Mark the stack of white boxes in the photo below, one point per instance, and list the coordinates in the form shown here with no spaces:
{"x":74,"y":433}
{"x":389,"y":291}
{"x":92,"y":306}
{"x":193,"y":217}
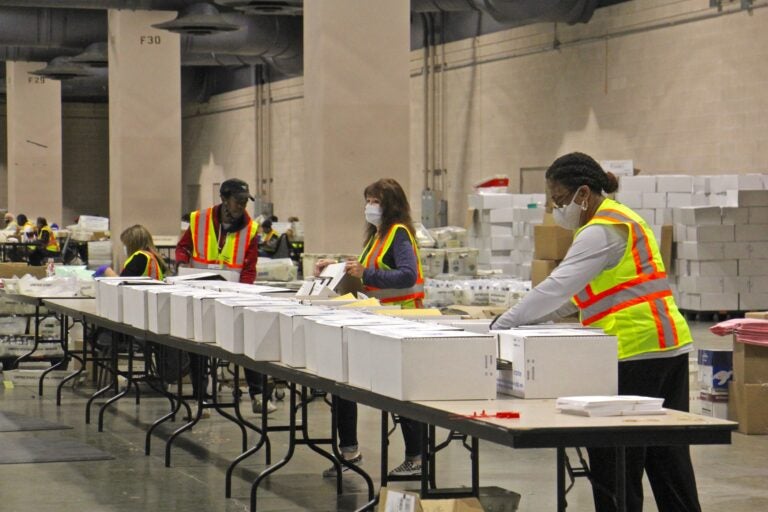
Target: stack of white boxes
{"x":503,"y":231}
{"x":721,"y":235}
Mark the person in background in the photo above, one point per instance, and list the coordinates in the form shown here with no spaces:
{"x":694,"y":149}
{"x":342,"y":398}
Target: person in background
{"x":11,"y":227}
{"x":184,"y":222}
{"x":225,"y":237}
{"x":268,"y":240}
{"x":46,"y":245}
{"x":613,"y":273}
{"x":143,"y":257}
{"x":390,"y":269}
{"x":26,"y":229}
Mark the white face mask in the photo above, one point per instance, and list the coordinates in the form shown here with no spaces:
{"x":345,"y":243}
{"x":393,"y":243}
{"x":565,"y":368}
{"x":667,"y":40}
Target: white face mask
{"x":373,"y":214}
{"x":125,"y":250}
{"x":569,"y":217}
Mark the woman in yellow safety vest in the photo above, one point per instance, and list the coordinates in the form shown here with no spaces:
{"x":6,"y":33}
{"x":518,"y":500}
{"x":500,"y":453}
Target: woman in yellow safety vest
{"x":47,"y":237}
{"x":143,"y":257}
{"x":390,"y":269}
{"x":613,"y":275}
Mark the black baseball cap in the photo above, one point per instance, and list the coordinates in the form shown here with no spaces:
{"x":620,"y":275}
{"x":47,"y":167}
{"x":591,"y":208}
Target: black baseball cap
{"x":235,"y":186}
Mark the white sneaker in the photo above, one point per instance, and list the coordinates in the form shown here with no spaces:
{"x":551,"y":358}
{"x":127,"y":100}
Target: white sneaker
{"x":331,"y":471}
{"x":407,"y":468}
{"x":257,"y":406}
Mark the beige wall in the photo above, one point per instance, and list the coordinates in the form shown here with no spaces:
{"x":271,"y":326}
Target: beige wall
{"x":688,"y":99}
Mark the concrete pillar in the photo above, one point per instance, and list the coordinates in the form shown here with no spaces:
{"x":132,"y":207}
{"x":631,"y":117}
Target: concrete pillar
{"x":144,"y":124}
{"x":34,"y":142}
{"x":356,"y":111}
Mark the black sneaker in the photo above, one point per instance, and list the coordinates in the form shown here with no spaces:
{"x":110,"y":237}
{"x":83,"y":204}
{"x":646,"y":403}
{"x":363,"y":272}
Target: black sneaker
{"x":407,"y":468}
{"x":331,"y":472}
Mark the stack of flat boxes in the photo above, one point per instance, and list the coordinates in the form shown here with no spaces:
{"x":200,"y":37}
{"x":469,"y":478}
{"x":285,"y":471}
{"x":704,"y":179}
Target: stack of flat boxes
{"x":503,"y":231}
{"x":721,"y":235}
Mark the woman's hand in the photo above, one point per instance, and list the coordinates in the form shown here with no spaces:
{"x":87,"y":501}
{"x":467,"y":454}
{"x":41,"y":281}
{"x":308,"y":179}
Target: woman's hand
{"x":354,"y":268}
{"x":321,"y":264}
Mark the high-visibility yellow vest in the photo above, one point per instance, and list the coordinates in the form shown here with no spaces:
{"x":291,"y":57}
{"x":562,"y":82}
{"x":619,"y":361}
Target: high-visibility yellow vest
{"x":152,"y":269}
{"x":373,"y":257}
{"x":53,"y":244}
{"x":633,"y":300}
{"x":205,"y":243}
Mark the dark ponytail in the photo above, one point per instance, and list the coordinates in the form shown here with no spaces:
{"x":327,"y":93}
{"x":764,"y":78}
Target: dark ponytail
{"x":576,"y":169}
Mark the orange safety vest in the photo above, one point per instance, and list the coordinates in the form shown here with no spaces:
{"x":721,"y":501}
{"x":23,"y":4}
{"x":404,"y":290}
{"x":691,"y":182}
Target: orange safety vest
{"x":153,"y":267}
{"x":53,"y":244}
{"x":205,"y":243}
{"x":633,"y":300}
{"x":373,"y":257}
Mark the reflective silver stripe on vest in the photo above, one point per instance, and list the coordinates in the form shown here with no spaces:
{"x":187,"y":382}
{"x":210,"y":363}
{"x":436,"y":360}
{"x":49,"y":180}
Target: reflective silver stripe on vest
{"x":617,"y":298}
{"x":392,"y":293}
{"x":201,"y":242}
{"x":667,"y":325}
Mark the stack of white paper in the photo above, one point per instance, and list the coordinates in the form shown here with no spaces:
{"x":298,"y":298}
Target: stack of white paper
{"x":620,"y":405}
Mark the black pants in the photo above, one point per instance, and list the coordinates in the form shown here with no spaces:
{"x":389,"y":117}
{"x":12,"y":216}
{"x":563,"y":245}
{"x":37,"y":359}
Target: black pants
{"x":254,"y":379}
{"x":669,"y":468}
{"x":347,"y":427}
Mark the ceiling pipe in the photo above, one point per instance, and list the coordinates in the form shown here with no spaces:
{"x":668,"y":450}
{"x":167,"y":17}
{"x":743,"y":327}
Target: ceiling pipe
{"x":147,"y":5}
{"x":28,"y":54}
{"x":51,"y":28}
{"x":516,"y":11}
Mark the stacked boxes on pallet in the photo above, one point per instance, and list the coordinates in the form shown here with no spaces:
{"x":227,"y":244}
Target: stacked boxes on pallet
{"x":502,"y":230}
{"x":721,"y":235}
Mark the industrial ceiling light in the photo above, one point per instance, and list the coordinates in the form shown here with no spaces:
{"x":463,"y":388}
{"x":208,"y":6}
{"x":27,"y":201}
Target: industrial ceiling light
{"x":95,"y":56}
{"x":199,"y":20}
{"x":62,"y":68}
{"x":265,"y":7}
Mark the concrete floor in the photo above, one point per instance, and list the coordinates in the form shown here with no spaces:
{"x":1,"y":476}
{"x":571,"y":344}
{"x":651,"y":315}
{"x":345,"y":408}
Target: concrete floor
{"x":731,"y":478}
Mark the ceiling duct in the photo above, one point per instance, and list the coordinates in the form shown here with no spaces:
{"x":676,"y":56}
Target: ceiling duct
{"x":265,"y":7}
{"x":51,"y":28}
{"x":62,"y":68}
{"x":517,"y":12}
{"x":133,"y":5}
{"x":95,"y":56}
{"x":199,"y":20}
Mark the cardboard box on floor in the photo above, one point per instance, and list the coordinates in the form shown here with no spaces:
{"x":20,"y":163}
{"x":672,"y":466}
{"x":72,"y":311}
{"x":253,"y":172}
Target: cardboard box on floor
{"x":761,"y":315}
{"x":404,"y":501}
{"x":748,"y":405}
{"x":750,"y":363}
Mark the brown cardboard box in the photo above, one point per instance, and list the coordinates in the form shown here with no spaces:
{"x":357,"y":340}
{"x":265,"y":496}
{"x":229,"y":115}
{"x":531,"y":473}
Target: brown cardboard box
{"x":551,"y":242}
{"x":540,"y":269}
{"x":748,"y":405}
{"x":412,"y":502}
{"x":665,"y":246}
{"x":99,"y":235}
{"x":750,"y":363}
{"x":8,"y":270}
{"x":762,"y":315}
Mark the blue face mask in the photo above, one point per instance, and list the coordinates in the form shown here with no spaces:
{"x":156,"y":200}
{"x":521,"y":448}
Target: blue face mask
{"x":373,"y":214}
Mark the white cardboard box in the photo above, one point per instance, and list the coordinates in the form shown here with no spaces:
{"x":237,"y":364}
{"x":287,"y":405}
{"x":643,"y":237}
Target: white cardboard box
{"x":182,"y":315}
{"x":747,"y":197}
{"x":109,"y":296}
{"x":159,"y":308}
{"x":752,"y":232}
{"x":757,"y":214}
{"x":638,"y":183}
{"x":753,"y":301}
{"x":701,"y":284}
{"x":204,"y":316}
{"x":697,"y":215}
{"x":701,"y":251}
{"x":631,"y":198}
{"x":735,"y":215}
{"x":490,"y":201}
{"x":717,"y":268}
{"x":293,"y":348}
{"x":549,"y":363}
{"x":721,"y":233}
{"x":229,"y":320}
{"x":754,"y":267}
{"x":711,"y":301}
{"x":433,"y":365}
{"x":261,"y":332}
{"x":135,"y":305}
{"x":674,"y":183}
{"x":655,"y":200}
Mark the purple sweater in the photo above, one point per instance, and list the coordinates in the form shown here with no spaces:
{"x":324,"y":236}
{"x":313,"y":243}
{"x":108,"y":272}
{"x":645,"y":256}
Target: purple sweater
{"x":401,"y":259}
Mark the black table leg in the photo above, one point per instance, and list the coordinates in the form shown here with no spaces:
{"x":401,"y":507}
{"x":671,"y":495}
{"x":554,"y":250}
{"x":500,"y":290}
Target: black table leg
{"x":621,"y":478}
{"x":65,"y":338}
{"x":129,"y":381}
{"x":561,"y":503}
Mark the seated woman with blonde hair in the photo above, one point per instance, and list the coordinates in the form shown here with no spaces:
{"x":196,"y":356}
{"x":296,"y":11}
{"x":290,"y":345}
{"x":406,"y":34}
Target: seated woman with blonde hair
{"x":143,"y":257}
